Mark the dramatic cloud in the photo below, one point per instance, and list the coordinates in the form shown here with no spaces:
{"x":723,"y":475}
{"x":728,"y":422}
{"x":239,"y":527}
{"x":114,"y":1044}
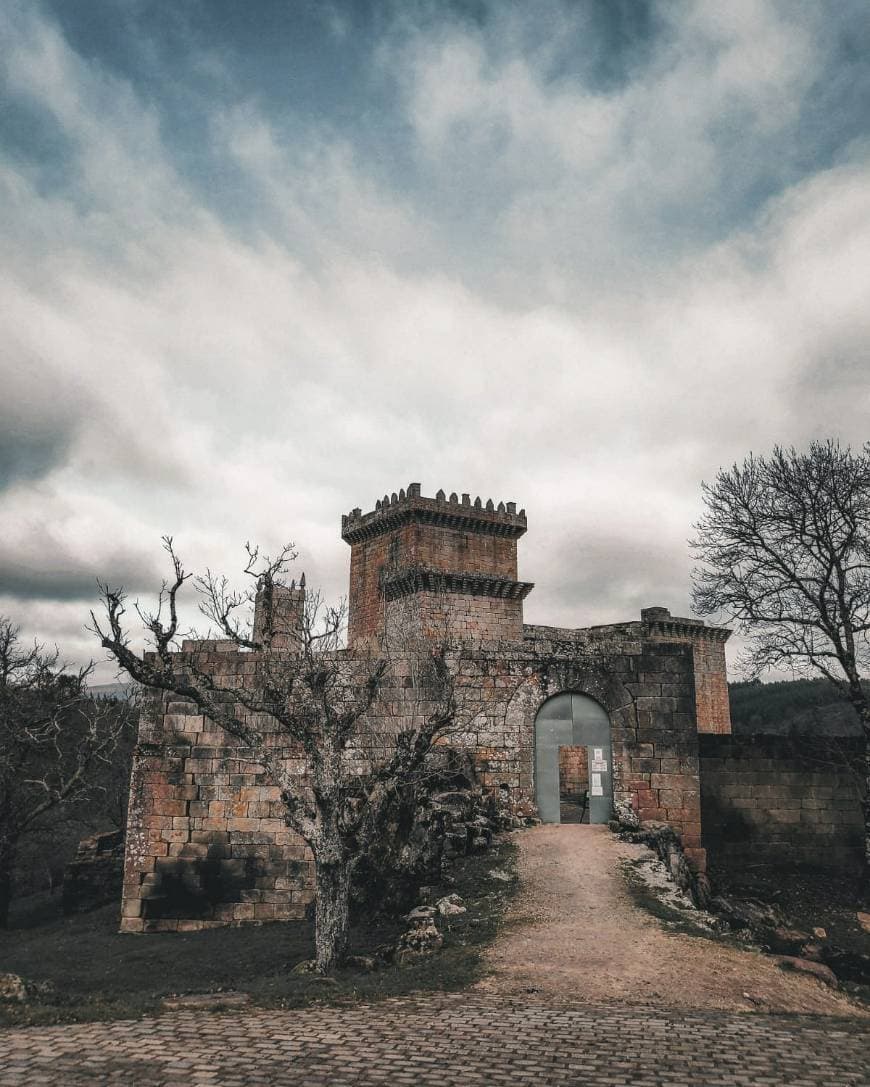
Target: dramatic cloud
{"x":262,"y":268}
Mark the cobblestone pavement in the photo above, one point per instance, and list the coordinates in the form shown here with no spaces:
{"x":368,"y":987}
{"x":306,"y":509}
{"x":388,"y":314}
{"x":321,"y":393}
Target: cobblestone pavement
{"x":445,"y":1040}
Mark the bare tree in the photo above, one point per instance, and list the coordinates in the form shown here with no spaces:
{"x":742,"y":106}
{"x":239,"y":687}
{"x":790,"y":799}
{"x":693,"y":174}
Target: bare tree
{"x":365,"y":721}
{"x":55,"y":740}
{"x":785,"y":551}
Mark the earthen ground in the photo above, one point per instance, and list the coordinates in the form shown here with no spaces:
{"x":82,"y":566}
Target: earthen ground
{"x":585,"y":988}
{"x":574,"y":935}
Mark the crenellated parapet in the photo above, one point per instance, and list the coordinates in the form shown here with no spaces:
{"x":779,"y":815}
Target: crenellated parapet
{"x":659,"y":621}
{"x":454,"y":511}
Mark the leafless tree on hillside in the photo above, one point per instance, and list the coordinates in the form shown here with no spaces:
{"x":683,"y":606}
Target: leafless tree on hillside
{"x":56,"y":740}
{"x":784,"y":550}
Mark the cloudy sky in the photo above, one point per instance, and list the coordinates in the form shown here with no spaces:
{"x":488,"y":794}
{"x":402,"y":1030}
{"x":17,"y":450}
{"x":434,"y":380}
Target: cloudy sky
{"x":264,"y":261}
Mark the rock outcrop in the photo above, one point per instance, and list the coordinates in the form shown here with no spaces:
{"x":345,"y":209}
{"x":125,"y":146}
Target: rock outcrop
{"x":431,"y":824}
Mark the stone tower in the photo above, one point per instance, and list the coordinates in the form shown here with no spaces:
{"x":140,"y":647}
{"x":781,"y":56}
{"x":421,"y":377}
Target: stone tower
{"x":455,"y":556}
{"x":712,"y":708}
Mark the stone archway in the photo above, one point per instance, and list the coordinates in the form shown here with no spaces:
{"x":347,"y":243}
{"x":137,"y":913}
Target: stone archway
{"x":571,"y":719}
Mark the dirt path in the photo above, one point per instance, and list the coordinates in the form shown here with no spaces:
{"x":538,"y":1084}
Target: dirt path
{"x":574,"y":935}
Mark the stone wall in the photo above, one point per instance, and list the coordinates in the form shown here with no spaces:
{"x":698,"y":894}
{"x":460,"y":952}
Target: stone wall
{"x":781,"y":802}
{"x":206,"y":842}
{"x":467,"y":615}
{"x":711,"y":685}
{"x":94,"y":876}
{"x":369,"y":559}
{"x":647,"y":689}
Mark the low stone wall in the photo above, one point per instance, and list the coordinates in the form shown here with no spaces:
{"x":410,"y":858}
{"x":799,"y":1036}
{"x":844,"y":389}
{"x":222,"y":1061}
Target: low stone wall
{"x":94,"y":877}
{"x":206,"y":842}
{"x":777,"y":801}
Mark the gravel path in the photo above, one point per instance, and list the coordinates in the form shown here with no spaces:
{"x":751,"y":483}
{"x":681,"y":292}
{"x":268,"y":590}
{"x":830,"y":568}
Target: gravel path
{"x":574,"y":936}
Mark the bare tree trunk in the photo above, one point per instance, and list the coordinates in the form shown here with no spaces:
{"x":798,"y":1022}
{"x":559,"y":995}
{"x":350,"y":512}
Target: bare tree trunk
{"x":332,"y":912}
{"x":865,"y":796}
{"x":865,"y":808}
{"x":6,"y":859}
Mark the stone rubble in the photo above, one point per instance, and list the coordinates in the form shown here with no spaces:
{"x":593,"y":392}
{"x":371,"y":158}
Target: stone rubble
{"x":804,"y":966}
{"x":421,"y":913}
{"x":501,"y":875}
{"x":761,"y":923}
{"x":418,"y":943}
{"x":667,"y":843}
{"x":450,"y":906}
{"x":15,"y":989}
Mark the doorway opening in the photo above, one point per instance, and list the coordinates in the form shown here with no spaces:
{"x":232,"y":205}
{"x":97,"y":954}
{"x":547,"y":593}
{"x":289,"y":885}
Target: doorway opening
{"x":573,"y":784}
{"x":565,"y":725}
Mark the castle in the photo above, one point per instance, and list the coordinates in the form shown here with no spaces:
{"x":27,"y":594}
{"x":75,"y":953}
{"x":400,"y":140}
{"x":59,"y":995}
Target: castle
{"x":611,"y":712}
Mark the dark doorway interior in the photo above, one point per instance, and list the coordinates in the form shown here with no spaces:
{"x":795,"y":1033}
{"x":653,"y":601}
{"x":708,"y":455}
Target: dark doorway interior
{"x":573,"y":784}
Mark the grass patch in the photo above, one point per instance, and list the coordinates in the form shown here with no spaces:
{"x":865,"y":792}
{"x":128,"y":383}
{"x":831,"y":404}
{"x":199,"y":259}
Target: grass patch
{"x":99,"y":973}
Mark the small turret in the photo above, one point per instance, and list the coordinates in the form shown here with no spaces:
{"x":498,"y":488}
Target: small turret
{"x":712,"y":708}
{"x":281,"y":608}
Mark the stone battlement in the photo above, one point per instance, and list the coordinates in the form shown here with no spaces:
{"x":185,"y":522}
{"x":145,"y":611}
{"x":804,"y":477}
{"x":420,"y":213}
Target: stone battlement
{"x":454,"y":512}
{"x":713,"y":710}
{"x":660,"y":621}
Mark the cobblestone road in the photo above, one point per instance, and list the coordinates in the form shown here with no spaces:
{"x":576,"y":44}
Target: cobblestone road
{"x":446,"y":1041}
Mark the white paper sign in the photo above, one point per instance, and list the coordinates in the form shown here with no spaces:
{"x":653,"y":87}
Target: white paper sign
{"x":596,"y":790}
{"x":597,"y":753}
{"x":596,"y":781}
{"x":600,"y":765}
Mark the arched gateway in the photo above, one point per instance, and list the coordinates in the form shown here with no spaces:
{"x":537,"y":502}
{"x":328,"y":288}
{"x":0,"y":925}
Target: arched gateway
{"x":577,"y":721}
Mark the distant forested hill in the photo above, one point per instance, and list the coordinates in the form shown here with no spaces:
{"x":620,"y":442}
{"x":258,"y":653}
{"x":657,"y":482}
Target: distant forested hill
{"x":799,"y":707}
{"x":113,"y":690}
